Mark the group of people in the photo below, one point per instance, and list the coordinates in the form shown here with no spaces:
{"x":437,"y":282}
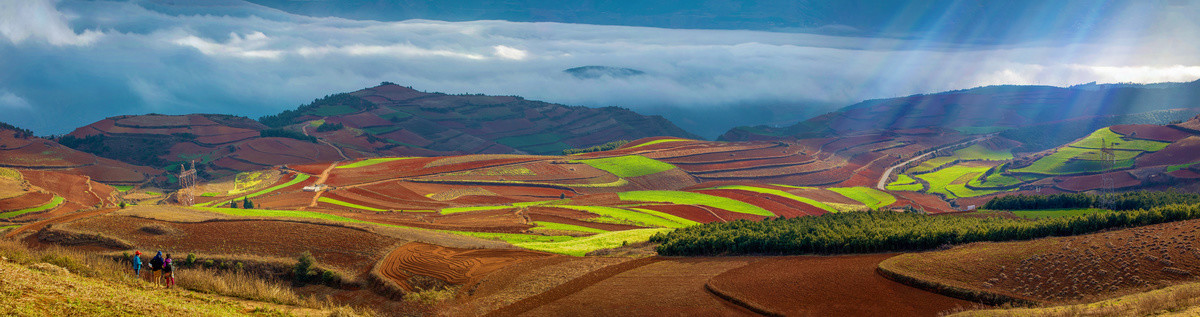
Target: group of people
{"x":162,"y":271}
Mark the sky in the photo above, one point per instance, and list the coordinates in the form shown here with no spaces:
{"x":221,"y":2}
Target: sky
{"x":65,"y":64}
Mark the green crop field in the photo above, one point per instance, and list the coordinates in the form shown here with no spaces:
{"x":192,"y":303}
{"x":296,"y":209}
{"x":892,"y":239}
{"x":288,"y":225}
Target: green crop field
{"x":346,"y":204}
{"x":980,"y":152}
{"x":997,"y":180}
{"x":1070,"y":160}
{"x":1117,"y":141}
{"x":780,"y":193}
{"x":238,"y":212}
{"x":554,"y":226}
{"x":689,"y":198}
{"x":369,"y":162}
{"x":383,"y":129}
{"x":447,"y":211}
{"x":54,"y":202}
{"x":122,"y":188}
{"x":1054,"y":213}
{"x":954,"y":175}
{"x":931,"y":164}
{"x":1173,"y":168}
{"x":871,"y":197}
{"x":628,"y":166}
{"x":905,"y":183}
{"x":657,"y":142}
{"x":581,"y":246}
{"x":679,"y":220}
{"x":631,"y":217}
{"x":300,"y":177}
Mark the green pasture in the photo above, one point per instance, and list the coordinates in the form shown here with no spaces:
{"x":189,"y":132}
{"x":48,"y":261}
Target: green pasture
{"x":905,"y":183}
{"x":122,"y":188}
{"x":54,"y":202}
{"x":690,"y":198}
{"x":554,"y":226}
{"x":871,"y":197}
{"x":931,"y":164}
{"x":632,"y":217}
{"x":1117,"y":141}
{"x":581,"y":246}
{"x":447,"y":211}
{"x":628,"y":166}
{"x":957,"y":175}
{"x":780,"y":193}
{"x":980,"y":152}
{"x":373,"y":161}
{"x":1069,"y":160}
{"x":657,"y":142}
{"x":346,"y":204}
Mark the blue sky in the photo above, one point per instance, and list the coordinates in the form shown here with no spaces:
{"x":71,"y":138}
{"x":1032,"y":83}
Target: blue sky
{"x":64,"y":64}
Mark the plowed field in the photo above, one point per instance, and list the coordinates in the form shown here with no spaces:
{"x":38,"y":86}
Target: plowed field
{"x":829,"y":286}
{"x":454,"y":266}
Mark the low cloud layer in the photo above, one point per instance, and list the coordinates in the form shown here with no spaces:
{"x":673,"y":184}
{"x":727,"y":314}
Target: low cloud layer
{"x":66,"y":64}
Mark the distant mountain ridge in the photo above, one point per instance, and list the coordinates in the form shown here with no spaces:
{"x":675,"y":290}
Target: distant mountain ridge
{"x":992,"y":107}
{"x":386,"y":120}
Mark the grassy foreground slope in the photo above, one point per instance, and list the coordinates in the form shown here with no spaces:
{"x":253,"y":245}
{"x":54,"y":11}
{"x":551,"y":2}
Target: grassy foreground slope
{"x":25,"y":291}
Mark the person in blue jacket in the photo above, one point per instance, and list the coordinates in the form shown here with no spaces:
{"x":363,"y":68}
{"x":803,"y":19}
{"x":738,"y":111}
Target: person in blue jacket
{"x":156,"y":266}
{"x":137,"y":263}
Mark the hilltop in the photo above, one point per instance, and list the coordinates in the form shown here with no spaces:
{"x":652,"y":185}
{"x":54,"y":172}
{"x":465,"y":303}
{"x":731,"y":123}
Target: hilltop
{"x":20,"y":149}
{"x":387,"y":120}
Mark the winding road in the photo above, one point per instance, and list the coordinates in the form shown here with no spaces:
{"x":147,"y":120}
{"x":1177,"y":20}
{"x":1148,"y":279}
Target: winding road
{"x":882,"y":185}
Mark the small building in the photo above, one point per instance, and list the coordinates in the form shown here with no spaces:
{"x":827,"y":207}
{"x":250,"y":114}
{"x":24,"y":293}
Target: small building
{"x":315,"y":188}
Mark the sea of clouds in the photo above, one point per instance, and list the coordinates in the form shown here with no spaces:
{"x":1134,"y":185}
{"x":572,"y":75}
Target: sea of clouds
{"x":64,"y":64}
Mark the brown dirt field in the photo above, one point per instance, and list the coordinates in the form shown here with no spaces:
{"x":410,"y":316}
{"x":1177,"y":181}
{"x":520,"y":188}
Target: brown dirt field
{"x":659,"y":286}
{"x":1119,"y":179}
{"x":479,"y":221}
{"x":780,"y":206}
{"x":236,"y":165}
{"x":57,"y":216}
{"x":28,"y":200}
{"x":522,"y":280}
{"x":1186,"y":150}
{"x":1066,"y":269}
{"x":673,"y":179}
{"x":746,"y":164}
{"x":451,"y":265}
{"x":1150,"y":132}
{"x":931,"y":203}
{"x":1185,"y":174}
{"x":311,"y":169}
{"x":74,"y":188}
{"x":553,"y":215}
{"x":346,"y":248}
{"x":829,"y":286}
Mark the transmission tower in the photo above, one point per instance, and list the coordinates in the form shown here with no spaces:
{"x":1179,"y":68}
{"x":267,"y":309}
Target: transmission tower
{"x":1108,"y":159}
{"x":187,"y":183}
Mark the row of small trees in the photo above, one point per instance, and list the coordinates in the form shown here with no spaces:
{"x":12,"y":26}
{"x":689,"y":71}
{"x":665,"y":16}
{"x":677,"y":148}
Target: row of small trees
{"x":246,"y":204}
{"x":1115,"y":201}
{"x":597,"y":148}
{"x":883,"y":231}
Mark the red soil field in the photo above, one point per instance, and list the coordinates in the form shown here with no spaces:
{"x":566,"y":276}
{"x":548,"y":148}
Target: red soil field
{"x":539,"y":214}
{"x":1121,"y":179}
{"x":748,"y":163}
{"x":1183,"y":151}
{"x":1150,"y":132}
{"x":1185,"y":174}
{"x":702,"y":214}
{"x":74,"y":188}
{"x":829,"y":286}
{"x":778,"y":205}
{"x":1192,"y":125}
{"x":28,"y":200}
{"x":452,"y":265}
{"x":932,"y":204}
{"x":347,"y":248}
{"x":1066,"y":269}
{"x":650,"y":286}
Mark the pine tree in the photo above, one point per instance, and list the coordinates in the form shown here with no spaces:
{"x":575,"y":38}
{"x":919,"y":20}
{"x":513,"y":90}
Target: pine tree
{"x":247,"y":204}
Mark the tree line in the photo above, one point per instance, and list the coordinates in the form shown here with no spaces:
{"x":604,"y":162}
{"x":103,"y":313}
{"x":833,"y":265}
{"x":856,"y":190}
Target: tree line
{"x":288,"y":117}
{"x":885,"y":231}
{"x":597,"y":148}
{"x":1114,"y":201}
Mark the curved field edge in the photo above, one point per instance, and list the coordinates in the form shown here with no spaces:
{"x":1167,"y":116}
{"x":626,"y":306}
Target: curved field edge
{"x":1183,"y":299}
{"x":628,"y":166}
{"x":780,"y":193}
{"x":54,"y":202}
{"x":300,"y":177}
{"x":872,"y":198}
{"x":373,"y":161}
{"x":892,"y":270}
{"x":570,"y":287}
{"x":575,"y":246}
{"x":690,"y":198}
{"x":581,"y":246}
{"x":752,"y":306}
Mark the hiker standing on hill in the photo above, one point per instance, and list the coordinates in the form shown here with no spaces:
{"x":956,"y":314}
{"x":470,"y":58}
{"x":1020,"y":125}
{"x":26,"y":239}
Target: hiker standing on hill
{"x":169,"y":271}
{"x":137,"y":263}
{"x":156,"y":266}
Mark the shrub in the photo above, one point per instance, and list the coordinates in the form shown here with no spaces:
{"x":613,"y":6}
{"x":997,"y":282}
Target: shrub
{"x":304,"y":266}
